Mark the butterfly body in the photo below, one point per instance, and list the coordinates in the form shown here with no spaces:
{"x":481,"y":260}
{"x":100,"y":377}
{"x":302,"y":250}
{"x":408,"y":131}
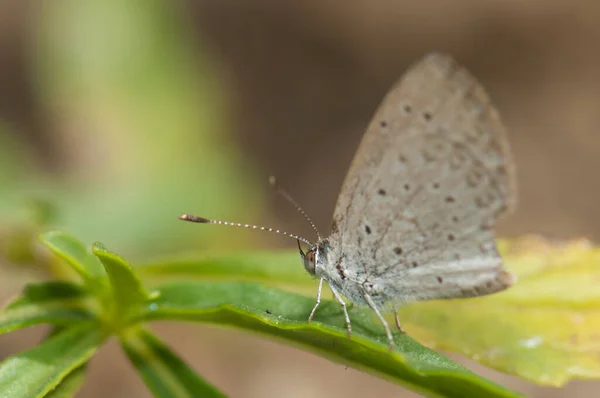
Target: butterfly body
{"x":414,"y":219}
{"x":349,"y":281}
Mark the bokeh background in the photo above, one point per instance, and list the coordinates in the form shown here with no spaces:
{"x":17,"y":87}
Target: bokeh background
{"x":117,"y":116}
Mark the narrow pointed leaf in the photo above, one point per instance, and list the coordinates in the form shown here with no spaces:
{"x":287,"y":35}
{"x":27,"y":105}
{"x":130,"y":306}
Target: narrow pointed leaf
{"x":283,"y":315}
{"x":69,"y":385}
{"x":167,"y":375}
{"x":57,"y":303}
{"x":542,"y":329}
{"x":73,"y":381}
{"x":45,"y":292}
{"x":278,"y":268}
{"x":127,"y":289}
{"x":36,"y":372}
{"x":78,"y":256}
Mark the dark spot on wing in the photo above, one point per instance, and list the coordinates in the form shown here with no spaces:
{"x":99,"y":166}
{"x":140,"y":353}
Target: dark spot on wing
{"x":436,"y":185}
{"x":450,"y":199}
{"x":427,"y":116}
{"x":381,"y":192}
{"x":451,"y":237}
{"x":398,"y":250}
{"x":454,"y":218}
{"x":340,"y":270}
{"x":406,"y":187}
{"x":407,"y":108}
{"x":439,"y":279}
{"x":367,"y":229}
{"x":383,"y":123}
{"x":415,"y":264}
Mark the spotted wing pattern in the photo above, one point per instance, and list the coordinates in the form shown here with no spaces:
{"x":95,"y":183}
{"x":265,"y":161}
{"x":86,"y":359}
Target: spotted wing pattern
{"x":415,"y":216}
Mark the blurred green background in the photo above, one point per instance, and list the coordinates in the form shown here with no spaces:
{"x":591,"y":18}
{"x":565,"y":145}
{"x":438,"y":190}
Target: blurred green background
{"x":117,"y":116}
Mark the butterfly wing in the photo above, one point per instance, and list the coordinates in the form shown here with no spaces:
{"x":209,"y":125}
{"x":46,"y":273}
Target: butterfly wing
{"x":431,"y":176}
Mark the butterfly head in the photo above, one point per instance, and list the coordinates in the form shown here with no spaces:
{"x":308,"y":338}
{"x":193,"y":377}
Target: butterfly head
{"x":314,"y":258}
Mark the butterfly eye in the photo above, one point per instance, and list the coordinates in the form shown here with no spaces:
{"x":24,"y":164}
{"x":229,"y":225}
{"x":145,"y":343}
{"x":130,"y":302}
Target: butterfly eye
{"x":309,"y":262}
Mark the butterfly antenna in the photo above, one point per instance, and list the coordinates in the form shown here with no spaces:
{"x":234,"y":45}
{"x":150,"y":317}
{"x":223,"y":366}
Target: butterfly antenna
{"x":289,"y":198}
{"x":202,"y":220}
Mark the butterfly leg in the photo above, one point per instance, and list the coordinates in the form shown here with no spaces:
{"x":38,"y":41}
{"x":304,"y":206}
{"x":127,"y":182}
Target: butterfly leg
{"x":340,"y":300}
{"x":398,"y":321}
{"x":388,"y":332}
{"x":312,"y":313}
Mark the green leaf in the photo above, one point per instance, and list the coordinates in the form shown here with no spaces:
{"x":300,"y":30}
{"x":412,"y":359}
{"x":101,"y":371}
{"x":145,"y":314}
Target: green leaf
{"x":36,"y":372}
{"x":58,"y":303}
{"x":69,"y":385}
{"x":164,"y":372}
{"x":45,"y":292}
{"x":73,"y":381}
{"x":78,"y":256}
{"x":127,"y":290}
{"x":284,"y":315}
{"x":279,"y":268}
{"x":543,"y":329}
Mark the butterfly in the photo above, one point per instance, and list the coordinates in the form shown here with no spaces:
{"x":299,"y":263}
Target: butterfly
{"x":415,"y":215}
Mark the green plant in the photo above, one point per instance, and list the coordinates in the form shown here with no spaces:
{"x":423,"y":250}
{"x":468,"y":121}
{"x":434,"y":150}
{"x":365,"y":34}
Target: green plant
{"x":111,"y":301}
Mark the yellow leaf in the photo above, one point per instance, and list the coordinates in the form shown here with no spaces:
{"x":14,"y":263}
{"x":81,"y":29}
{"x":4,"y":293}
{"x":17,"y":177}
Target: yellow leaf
{"x":545,"y":328}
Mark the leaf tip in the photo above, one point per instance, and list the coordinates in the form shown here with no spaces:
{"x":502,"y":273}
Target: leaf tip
{"x":47,"y":236}
{"x":98,"y":247}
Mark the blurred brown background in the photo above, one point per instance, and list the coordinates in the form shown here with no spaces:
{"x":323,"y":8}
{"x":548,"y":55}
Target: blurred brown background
{"x":301,"y":81}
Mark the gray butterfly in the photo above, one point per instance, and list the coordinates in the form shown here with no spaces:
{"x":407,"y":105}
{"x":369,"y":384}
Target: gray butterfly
{"x":414,"y":219}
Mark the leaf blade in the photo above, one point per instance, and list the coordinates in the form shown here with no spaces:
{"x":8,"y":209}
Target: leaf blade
{"x":127,"y":289}
{"x":35,"y":372}
{"x":69,"y":385}
{"x":279,"y":268}
{"x":57,"y":303}
{"x":77,"y":256}
{"x":165,"y":374}
{"x":555,"y":282}
{"x":283,"y":315}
